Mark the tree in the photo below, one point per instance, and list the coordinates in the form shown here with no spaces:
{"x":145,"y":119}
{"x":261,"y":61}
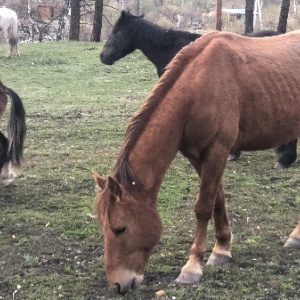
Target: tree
{"x":249,"y":16}
{"x":97,"y":25}
{"x":284,"y":13}
{"x":62,"y":20}
{"x":75,"y":20}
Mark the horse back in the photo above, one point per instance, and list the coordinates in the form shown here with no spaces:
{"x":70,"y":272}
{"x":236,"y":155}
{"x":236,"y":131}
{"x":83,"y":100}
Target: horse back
{"x":8,"y":19}
{"x":243,"y":85}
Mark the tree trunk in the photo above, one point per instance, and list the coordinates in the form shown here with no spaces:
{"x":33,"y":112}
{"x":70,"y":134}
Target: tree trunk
{"x":75,"y":20}
{"x":284,"y":13}
{"x":219,"y":15}
{"x":97,"y":26}
{"x":249,"y":16}
{"x":62,"y":21}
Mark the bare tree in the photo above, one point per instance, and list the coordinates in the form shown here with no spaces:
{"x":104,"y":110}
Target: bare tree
{"x":284,"y":13}
{"x":62,"y":20}
{"x":249,"y":16}
{"x":97,"y":26}
{"x":75,"y":20}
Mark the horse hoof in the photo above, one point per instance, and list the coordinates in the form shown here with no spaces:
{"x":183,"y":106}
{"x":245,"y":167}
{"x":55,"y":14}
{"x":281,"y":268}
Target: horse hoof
{"x":232,"y":157}
{"x":218,"y":259}
{"x":279,"y":166}
{"x":292,"y":243}
{"x":189,"y":278}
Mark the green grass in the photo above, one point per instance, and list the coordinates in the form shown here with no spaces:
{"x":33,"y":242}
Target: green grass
{"x":50,"y":245}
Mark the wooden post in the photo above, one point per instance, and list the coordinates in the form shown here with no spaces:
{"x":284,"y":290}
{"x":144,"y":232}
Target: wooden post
{"x":219,"y":15}
{"x":249,"y":16}
{"x":284,"y":13}
{"x":257,"y":11}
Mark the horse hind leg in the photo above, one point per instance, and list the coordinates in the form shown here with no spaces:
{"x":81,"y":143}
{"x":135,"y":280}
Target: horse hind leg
{"x":221,"y":252}
{"x":17,"y":50}
{"x":7,"y":170}
{"x":13,"y":47}
{"x":234,"y":155}
{"x":287,"y":154}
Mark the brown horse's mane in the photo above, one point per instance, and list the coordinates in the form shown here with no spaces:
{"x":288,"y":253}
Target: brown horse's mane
{"x":122,"y":170}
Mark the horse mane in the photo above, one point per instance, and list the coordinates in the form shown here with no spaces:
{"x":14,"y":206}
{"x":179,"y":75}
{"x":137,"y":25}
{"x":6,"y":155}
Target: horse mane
{"x":163,"y":37}
{"x":159,"y":36}
{"x":122,"y":170}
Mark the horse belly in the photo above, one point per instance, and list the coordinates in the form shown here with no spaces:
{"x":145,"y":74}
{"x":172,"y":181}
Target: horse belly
{"x":266,"y":131}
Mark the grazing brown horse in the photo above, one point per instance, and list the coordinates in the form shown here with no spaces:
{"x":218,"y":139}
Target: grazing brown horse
{"x":221,"y":92}
{"x":11,"y":148}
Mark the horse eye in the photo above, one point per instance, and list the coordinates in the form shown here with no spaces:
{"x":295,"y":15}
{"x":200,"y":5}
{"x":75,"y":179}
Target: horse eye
{"x":119,"y":230}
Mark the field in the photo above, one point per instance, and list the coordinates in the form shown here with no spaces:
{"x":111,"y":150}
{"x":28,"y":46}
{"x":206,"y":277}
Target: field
{"x":50,"y":244}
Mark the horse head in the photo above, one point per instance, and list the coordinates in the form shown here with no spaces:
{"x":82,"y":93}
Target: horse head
{"x":122,"y":39}
{"x":131,"y":228}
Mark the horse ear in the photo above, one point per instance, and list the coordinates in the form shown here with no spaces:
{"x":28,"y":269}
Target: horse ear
{"x":114,"y":187}
{"x":125,"y":12}
{"x":100,"y":181}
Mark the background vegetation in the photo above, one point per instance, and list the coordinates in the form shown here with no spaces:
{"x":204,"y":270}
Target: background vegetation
{"x":81,"y":23}
{"x":50,"y":245}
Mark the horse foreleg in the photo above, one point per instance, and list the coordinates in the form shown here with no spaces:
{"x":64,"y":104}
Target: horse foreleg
{"x":210,"y":169}
{"x":221,"y":252}
{"x":192,"y":270}
{"x":9,"y":50}
{"x":294,"y":238}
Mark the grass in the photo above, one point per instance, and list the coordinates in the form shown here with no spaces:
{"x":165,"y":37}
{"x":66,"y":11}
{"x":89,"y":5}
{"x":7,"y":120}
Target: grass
{"x":50,"y":245}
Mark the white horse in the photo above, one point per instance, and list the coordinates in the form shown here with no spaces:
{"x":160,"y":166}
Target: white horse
{"x":9,"y":25}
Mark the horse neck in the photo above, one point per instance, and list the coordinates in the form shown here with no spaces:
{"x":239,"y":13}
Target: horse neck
{"x":157,"y":146}
{"x":148,"y":36}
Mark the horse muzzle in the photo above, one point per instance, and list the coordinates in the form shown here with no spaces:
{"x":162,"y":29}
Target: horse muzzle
{"x":125,"y":286}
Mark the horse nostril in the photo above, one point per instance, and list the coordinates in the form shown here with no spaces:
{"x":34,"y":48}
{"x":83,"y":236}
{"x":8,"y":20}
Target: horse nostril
{"x":133,"y":286}
{"x":116,"y":288}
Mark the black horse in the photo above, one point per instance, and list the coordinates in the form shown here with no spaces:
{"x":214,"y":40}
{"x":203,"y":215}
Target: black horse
{"x":160,"y":45}
{"x":11,"y":147}
{"x":131,"y":32}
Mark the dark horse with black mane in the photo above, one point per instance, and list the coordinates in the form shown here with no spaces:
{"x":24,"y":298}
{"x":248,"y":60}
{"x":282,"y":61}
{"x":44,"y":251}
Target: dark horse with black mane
{"x":224,"y":91}
{"x":160,"y":45}
{"x":11,"y":148}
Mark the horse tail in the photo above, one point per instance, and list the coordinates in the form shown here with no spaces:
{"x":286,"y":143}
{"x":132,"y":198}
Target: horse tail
{"x":16,"y":128}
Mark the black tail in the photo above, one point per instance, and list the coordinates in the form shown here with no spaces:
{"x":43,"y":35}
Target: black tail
{"x":16,"y":128}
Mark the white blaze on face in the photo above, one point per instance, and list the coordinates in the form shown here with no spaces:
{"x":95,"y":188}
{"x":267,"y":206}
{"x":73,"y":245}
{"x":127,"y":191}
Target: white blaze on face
{"x":7,"y":174}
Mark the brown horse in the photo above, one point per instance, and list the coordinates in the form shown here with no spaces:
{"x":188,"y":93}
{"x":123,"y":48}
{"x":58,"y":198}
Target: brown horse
{"x":11,"y":148}
{"x":221,"y":92}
